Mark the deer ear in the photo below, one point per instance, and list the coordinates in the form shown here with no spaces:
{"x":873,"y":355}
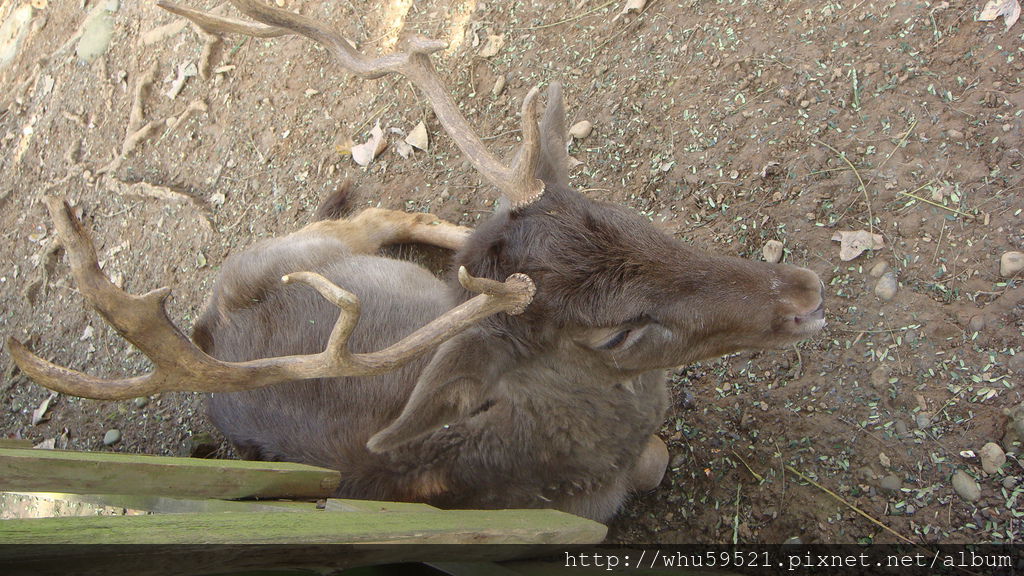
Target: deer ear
{"x":455,"y":384}
{"x":554,"y":165}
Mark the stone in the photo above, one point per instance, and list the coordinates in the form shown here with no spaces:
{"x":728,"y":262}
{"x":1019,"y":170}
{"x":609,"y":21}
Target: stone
{"x":886,"y":287}
{"x":880,"y":267}
{"x":1011,"y":263}
{"x":922,"y":420}
{"x":890,"y":483}
{"x":581,"y":129}
{"x":992,"y":458}
{"x":966,"y":486}
{"x":112,"y":437}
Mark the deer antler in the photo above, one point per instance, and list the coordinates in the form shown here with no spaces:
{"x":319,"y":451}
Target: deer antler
{"x":180,"y":365}
{"x":517,"y":182}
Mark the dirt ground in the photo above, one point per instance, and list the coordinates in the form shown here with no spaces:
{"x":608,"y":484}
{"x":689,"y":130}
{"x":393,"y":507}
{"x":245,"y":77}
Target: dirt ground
{"x":728,"y":122}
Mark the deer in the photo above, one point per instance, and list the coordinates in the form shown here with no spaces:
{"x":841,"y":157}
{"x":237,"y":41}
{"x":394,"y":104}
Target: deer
{"x":534,"y":377}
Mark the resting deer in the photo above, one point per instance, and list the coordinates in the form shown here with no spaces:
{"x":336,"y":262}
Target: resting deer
{"x":546,"y":392}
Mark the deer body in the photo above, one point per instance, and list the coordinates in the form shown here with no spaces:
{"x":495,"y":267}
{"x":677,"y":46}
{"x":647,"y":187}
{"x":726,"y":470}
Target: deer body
{"x":544,"y":390}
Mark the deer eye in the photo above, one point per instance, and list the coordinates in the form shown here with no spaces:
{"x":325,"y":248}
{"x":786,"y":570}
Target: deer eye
{"x":617,"y":340}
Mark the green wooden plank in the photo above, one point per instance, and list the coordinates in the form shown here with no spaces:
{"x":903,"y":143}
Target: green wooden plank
{"x":52,"y":505}
{"x":320,"y":527}
{"x":15,"y":443}
{"x":109,"y":473}
{"x":347,"y":505}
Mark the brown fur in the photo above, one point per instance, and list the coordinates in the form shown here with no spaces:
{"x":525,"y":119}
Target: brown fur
{"x":552,"y":408}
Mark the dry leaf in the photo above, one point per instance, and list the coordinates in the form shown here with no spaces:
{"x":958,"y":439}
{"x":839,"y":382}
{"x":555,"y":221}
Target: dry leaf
{"x":403,"y":148}
{"x":48,"y":444}
{"x":634,"y":6}
{"x":493,"y":45}
{"x":853,"y":243}
{"x":1008,"y":9}
{"x":39,"y":414}
{"x":364,"y":153}
{"x":418,"y":137}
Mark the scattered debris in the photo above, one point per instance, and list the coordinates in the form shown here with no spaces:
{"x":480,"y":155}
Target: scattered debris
{"x":185,"y":71}
{"x":634,"y":6}
{"x":1008,"y":9}
{"x":418,"y":137}
{"x":891,"y":483}
{"x":772,"y":251}
{"x":194,"y":107}
{"x":97,"y":31}
{"x":13,"y":32}
{"x":499,"y":85}
{"x":364,"y":153}
{"x":854,"y":243}
{"x":39,"y":415}
{"x":493,"y":45}
{"x":992,"y":458}
{"x":1010,"y":264}
{"x":161,"y":33}
{"x":137,"y":130}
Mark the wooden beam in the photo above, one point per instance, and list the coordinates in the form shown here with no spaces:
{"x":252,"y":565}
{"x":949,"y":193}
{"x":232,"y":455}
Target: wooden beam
{"x":109,"y":473}
{"x":317,"y":527}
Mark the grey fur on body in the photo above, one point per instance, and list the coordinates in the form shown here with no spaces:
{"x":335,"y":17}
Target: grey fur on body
{"x":552,"y":408}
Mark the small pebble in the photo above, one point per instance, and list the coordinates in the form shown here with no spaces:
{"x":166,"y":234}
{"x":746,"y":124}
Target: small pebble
{"x":112,"y":437}
{"x":1011,"y":263}
{"x":901,"y":428}
{"x":992,"y":458}
{"x":794,"y":540}
{"x":880,"y":377}
{"x":772,"y":251}
{"x":1010,"y":482}
{"x":954,"y":134}
{"x":922,"y":420}
{"x":141,"y":401}
{"x":976,"y":323}
{"x":499,"y":86}
{"x":886,"y":287}
{"x":880,"y":267}
{"x":966,"y":487}
{"x":581,"y":130}
{"x":891,"y":483}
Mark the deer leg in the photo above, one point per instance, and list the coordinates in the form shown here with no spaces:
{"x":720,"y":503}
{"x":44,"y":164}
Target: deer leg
{"x":651,"y":466}
{"x":374,"y":228}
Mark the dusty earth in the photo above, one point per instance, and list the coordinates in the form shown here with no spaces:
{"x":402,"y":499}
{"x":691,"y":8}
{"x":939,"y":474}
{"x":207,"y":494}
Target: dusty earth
{"x":728,"y":122}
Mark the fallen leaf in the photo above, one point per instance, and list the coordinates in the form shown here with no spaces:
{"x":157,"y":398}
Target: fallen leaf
{"x":493,"y":45}
{"x":854,"y":243}
{"x":1008,"y":9}
{"x":364,"y":153}
{"x":418,"y":137}
{"x":634,"y":6}
{"x":39,"y":414}
{"x":403,"y":148}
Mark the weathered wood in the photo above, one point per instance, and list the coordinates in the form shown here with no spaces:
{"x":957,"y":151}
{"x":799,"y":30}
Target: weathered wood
{"x":107,"y":473}
{"x":345,"y":505}
{"x":54,"y":505}
{"x":15,"y":443}
{"x":320,"y":527}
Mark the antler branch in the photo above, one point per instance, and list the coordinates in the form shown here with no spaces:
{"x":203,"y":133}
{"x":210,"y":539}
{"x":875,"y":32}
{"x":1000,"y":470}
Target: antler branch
{"x":517,"y":182}
{"x":180,"y":365}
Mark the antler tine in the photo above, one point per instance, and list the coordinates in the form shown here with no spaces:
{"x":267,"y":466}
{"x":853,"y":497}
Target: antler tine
{"x":517,"y":183}
{"x":180,"y":365}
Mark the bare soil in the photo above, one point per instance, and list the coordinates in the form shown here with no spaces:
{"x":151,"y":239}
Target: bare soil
{"x":727,"y":122}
